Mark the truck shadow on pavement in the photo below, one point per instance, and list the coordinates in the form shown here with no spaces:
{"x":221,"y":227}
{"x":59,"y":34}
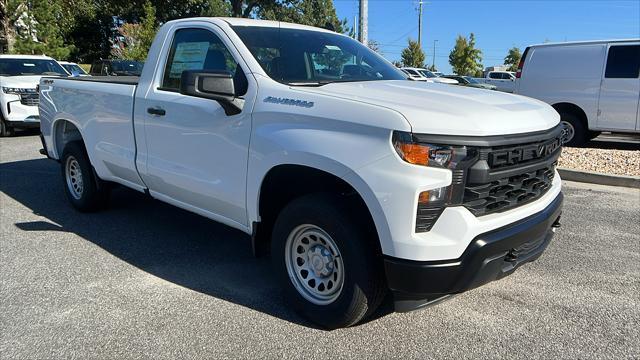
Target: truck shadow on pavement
{"x":167,"y":242}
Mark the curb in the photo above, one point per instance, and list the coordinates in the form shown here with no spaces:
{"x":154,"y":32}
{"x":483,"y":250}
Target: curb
{"x":598,"y":178}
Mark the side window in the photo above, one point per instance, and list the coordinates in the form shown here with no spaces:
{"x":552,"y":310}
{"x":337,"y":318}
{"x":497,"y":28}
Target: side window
{"x":623,"y":62}
{"x":494,"y":75}
{"x":197,"y":49}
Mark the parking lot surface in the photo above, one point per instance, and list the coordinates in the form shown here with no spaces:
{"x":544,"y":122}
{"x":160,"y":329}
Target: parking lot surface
{"x":147,"y":280}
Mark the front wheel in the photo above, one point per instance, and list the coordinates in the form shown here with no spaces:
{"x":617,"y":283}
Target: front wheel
{"x":574,"y":131}
{"x":326,"y":261}
{"x":85,"y":191}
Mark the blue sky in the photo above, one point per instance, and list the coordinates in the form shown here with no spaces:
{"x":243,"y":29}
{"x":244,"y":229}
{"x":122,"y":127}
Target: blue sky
{"x":497,"y":25}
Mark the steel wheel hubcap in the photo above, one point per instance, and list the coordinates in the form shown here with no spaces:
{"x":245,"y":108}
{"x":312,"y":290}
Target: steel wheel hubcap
{"x":314,"y":264}
{"x":568,"y":132}
{"x":73,"y":174}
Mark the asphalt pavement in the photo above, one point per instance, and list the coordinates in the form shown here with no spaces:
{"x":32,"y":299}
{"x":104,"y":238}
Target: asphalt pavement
{"x":147,"y":280}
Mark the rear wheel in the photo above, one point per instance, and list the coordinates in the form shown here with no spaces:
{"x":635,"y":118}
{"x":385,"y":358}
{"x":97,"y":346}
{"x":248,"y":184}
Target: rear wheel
{"x":5,"y":130}
{"x":575,"y":133}
{"x":84,"y":189}
{"x":326,"y":262}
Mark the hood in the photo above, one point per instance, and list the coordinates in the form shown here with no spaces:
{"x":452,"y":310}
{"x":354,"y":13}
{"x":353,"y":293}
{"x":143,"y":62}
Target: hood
{"x":25,"y":82}
{"x":433,"y":108}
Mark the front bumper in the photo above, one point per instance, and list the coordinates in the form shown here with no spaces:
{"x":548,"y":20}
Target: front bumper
{"x":18,"y":115}
{"x":31,"y":123}
{"x":490,"y":256}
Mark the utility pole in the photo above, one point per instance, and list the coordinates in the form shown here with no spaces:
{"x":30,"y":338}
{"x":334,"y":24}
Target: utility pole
{"x":433,"y":66}
{"x":355,"y":27}
{"x":420,"y":23}
{"x":364,"y":23}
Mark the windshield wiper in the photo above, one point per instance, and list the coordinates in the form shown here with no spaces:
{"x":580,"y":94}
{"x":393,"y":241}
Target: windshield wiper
{"x":308,"y":83}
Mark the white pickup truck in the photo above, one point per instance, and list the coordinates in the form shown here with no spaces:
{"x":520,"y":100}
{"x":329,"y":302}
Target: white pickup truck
{"x":356,"y":181}
{"x":502,"y":80}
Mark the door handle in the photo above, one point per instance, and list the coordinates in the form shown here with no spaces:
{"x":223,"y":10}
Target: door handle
{"x":156,"y":111}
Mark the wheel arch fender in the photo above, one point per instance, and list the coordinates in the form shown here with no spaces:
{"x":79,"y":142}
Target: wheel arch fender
{"x":571,"y":108}
{"x":64,"y":129}
{"x":260,"y":172}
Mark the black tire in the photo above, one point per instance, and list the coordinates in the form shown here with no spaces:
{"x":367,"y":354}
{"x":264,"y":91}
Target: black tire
{"x":363,"y":287}
{"x":94,"y":193}
{"x":580,"y":132}
{"x":5,"y":130}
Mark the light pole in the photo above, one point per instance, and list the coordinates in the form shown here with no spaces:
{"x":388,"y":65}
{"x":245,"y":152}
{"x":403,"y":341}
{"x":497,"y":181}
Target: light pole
{"x":433,"y":65}
{"x":420,"y":23}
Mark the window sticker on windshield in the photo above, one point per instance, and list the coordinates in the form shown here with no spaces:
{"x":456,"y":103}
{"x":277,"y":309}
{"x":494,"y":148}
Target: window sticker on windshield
{"x":28,"y":64}
{"x":188,"y":56}
{"x":332,"y":47}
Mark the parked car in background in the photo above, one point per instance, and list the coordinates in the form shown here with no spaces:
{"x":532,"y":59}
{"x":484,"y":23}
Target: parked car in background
{"x":503,"y":80}
{"x":594,"y":85}
{"x":116,"y":68}
{"x":414,"y":74}
{"x":359,"y":182}
{"x":73,"y":69}
{"x":420,"y":74}
{"x":19,"y":77}
{"x":470,"y":82}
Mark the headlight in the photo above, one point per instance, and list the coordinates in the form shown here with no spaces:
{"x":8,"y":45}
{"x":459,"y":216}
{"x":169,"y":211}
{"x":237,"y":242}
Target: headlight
{"x":418,"y":153}
{"x":457,"y":158}
{"x":18,"y":91}
{"x":10,"y":90}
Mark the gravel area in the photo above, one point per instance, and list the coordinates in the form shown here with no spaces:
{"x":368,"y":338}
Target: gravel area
{"x":616,"y":162}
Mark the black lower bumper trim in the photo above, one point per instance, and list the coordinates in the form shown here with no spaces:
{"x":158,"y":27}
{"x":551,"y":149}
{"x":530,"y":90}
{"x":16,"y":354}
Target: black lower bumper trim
{"x":490,"y":256}
{"x":23,"y":124}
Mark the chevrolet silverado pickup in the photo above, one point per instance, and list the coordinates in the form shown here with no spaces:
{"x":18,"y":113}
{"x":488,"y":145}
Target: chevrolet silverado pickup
{"x":357,"y":182}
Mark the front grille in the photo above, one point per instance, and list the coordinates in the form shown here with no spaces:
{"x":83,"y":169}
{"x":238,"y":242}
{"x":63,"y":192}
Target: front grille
{"x":508,"y":192}
{"x":29,"y":99}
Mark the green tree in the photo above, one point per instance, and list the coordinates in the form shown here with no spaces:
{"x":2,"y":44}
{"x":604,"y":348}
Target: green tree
{"x":319,"y":13}
{"x":215,"y":8}
{"x":412,"y":55}
{"x":137,"y":37}
{"x":513,"y":58}
{"x":465,"y":59}
{"x":37,"y":28}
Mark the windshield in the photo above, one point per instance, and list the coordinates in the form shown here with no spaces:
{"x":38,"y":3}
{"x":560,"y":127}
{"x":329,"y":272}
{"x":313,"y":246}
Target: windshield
{"x":427,"y":74}
{"x":127,"y":67}
{"x":304,"y":57}
{"x":71,"y":68}
{"x":18,"y":67}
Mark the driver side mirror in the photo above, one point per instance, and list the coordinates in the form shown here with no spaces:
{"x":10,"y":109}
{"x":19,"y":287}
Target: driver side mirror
{"x":214,"y":85}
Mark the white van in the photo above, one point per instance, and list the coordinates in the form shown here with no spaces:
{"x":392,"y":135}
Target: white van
{"x":594,"y":85}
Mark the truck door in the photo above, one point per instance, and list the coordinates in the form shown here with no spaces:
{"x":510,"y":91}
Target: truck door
{"x":620,"y":86}
{"x":196,"y":155}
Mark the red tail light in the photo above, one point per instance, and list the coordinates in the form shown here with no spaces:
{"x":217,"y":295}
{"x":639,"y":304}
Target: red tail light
{"x":521,"y":63}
